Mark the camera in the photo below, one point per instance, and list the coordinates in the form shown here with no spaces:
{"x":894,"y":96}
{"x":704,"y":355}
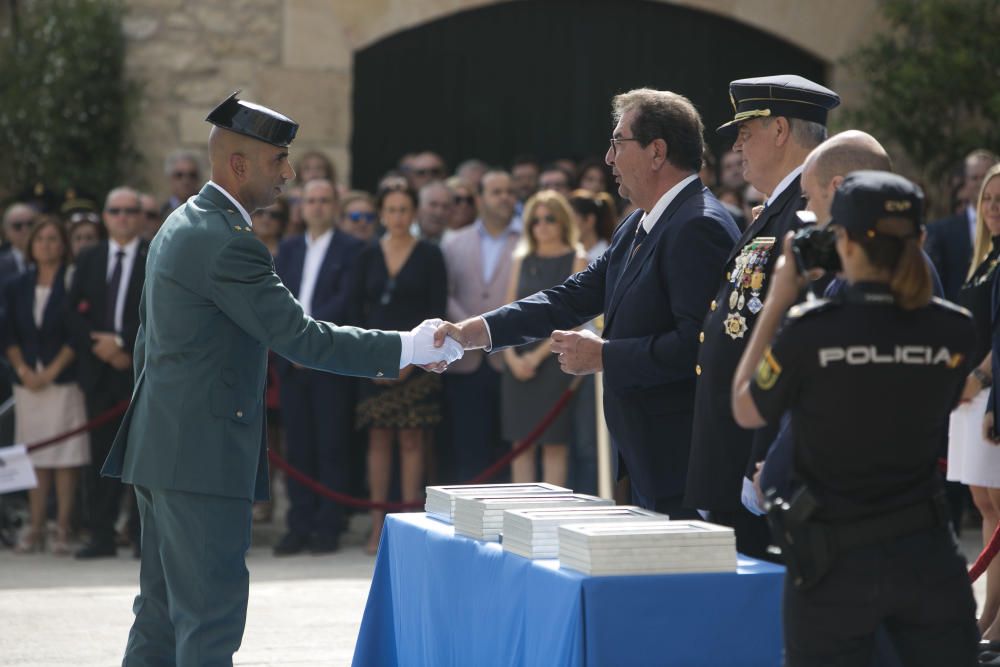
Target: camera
{"x":815,"y":247}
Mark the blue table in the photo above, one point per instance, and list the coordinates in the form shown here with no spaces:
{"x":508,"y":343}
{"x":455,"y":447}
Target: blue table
{"x":440,"y":599}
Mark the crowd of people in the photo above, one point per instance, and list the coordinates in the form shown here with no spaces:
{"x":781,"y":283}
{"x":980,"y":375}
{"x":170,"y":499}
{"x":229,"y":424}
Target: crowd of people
{"x":622,"y":279}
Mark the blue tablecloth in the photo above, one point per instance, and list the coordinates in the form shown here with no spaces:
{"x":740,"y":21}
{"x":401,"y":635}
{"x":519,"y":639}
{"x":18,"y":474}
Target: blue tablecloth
{"x":440,"y":599}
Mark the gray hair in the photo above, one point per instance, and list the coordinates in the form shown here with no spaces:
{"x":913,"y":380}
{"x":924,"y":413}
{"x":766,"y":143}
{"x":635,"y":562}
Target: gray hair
{"x":123,"y":190}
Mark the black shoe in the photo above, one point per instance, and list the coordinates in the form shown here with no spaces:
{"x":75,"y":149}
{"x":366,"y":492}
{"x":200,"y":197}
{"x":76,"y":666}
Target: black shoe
{"x":97,"y":550}
{"x":291,"y":544}
{"x":323,"y":544}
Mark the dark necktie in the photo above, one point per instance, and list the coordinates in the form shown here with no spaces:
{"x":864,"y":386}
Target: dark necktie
{"x":640,"y":235}
{"x":111,"y":299}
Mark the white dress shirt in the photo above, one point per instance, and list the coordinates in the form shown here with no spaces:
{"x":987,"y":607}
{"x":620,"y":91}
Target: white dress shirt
{"x":784,"y":183}
{"x":131,"y":249}
{"x":315,"y":252}
{"x":650,"y":217}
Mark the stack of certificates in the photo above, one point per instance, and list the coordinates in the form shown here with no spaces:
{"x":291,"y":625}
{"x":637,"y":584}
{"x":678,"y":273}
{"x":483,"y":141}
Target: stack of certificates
{"x":647,"y":547}
{"x":534,"y":533}
{"x":440,"y":502}
{"x":482,"y":518}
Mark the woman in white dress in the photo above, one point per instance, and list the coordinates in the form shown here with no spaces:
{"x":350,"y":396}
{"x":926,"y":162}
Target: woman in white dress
{"x":46,"y":399}
{"x":972,"y":459}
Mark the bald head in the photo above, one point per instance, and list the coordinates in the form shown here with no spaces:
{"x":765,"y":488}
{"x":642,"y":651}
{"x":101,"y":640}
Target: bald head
{"x":252,"y":171}
{"x":828,"y":164}
{"x":848,"y":151}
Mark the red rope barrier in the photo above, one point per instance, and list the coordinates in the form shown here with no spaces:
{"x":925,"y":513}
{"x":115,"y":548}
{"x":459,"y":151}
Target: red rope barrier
{"x":98,"y":421}
{"x":351,"y":501}
{"x":986,"y":557}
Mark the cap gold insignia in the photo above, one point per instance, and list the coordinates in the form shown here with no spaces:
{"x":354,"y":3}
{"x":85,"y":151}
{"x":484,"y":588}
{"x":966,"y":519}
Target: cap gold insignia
{"x":896,"y":205}
{"x":735,"y":325}
{"x":768,"y":371}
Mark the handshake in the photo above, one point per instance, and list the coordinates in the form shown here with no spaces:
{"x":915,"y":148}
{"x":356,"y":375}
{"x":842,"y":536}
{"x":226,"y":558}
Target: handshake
{"x":426,"y":353}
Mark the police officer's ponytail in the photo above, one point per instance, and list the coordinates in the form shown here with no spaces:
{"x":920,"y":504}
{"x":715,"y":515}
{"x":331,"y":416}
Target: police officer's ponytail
{"x":894,"y":245}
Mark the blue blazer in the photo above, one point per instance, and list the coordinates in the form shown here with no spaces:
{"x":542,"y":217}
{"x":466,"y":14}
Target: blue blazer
{"x":334,"y":297}
{"x":653,"y":309}
{"x":38,"y":343}
{"x":950,"y":248}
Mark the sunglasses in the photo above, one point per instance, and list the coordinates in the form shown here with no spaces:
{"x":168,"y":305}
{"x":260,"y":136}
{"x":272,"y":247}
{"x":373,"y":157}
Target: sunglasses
{"x":361,"y":216}
{"x":468,"y":201}
{"x":186,"y":175}
{"x":428,"y":171}
{"x":152,"y":215}
{"x":18,"y":225}
{"x":122,"y":211}
{"x":547,"y":219}
{"x":84,"y":216}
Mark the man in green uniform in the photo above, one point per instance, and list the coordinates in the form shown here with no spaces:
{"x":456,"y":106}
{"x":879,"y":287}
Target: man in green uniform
{"x":192,"y":441}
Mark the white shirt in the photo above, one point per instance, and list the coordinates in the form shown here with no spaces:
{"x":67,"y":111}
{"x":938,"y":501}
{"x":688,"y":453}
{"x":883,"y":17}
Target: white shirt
{"x":649,"y":218}
{"x":239,"y":207}
{"x":131,"y":249}
{"x":784,"y":183}
{"x":315,"y":252}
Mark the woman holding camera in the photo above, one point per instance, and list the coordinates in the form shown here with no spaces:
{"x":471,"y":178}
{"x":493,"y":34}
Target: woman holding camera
{"x":869,"y":380}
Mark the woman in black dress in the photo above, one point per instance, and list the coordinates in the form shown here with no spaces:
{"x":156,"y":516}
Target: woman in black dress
{"x":402,"y":282}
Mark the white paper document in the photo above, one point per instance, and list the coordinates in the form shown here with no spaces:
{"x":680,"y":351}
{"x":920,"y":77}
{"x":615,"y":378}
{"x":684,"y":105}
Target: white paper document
{"x":16,"y":471}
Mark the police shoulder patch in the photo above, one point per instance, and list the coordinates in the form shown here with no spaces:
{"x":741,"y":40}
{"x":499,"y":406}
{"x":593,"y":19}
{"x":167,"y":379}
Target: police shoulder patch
{"x":948,"y":306}
{"x":800,"y":310}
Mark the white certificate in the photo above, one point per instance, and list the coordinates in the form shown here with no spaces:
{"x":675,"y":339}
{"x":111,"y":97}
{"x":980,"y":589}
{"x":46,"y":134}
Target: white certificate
{"x":16,"y":471}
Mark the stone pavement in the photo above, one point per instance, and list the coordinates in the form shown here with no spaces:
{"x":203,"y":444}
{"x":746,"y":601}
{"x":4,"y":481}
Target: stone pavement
{"x":304,"y":610}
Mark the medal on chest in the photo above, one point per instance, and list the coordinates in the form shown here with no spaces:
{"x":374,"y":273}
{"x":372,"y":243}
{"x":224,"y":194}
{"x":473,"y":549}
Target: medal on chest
{"x":746,"y":284}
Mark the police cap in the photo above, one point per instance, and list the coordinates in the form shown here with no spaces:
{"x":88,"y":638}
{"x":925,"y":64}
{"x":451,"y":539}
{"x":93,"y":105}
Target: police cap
{"x":867,"y":198}
{"x":785,"y":95}
{"x":253,"y":120}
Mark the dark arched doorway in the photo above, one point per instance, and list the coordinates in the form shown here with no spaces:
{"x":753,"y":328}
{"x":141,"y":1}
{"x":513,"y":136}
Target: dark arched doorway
{"x":537,"y":77}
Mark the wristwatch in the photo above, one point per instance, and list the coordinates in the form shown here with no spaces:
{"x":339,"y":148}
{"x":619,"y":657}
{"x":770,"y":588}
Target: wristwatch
{"x":982,"y":377}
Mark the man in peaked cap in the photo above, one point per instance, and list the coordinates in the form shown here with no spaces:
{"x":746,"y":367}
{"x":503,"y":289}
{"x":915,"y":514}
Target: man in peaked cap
{"x":778,"y":120}
{"x":192,"y":441}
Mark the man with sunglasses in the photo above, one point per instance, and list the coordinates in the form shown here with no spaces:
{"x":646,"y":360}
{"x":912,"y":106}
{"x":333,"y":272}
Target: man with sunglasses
{"x":184,"y":176}
{"x":104,"y":316}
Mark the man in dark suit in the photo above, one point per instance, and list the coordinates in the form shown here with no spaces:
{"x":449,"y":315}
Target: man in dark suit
{"x":317,"y":408}
{"x":104,"y":316}
{"x":778,"y":121}
{"x":949,"y":240}
{"x":653,"y":286}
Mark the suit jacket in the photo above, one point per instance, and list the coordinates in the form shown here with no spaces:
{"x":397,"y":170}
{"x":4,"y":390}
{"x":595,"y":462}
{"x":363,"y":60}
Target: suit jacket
{"x":39,"y":343}
{"x":468,"y":294}
{"x":211,"y":307}
{"x":720,"y":449}
{"x":949,"y":246}
{"x":334,"y":296}
{"x":653,"y":307}
{"x":87,"y":304}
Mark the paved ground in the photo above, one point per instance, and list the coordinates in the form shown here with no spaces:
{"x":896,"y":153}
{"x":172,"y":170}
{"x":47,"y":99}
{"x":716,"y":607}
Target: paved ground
{"x":304,"y":610}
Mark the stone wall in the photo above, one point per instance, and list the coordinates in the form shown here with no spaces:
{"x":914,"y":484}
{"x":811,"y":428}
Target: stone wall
{"x":297,"y":56}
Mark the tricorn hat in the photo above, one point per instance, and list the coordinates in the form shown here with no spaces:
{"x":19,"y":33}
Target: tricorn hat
{"x":253,"y":120}
{"x":787,"y":95}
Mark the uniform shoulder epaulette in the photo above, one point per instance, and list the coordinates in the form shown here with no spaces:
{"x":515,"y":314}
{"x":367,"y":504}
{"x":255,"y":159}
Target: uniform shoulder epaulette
{"x":800,"y":310}
{"x":943,"y":304}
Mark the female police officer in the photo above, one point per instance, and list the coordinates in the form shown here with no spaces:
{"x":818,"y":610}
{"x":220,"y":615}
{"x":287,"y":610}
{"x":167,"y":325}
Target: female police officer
{"x":869,"y":380}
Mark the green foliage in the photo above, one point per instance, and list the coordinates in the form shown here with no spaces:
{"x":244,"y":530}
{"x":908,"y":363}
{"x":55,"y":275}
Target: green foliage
{"x":932,"y":80}
{"x":65,"y":104}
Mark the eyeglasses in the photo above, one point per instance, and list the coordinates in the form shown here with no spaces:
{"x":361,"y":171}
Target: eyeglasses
{"x":185,"y":175}
{"x":616,"y":142}
{"x":547,"y":219}
{"x":361,"y":216}
{"x":468,"y":201}
{"x":18,"y":225}
{"x":428,"y":171}
{"x":122,"y":211}
{"x":84,"y":216}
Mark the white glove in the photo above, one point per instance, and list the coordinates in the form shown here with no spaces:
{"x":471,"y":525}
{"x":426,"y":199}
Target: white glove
{"x":749,"y":498}
{"x":424,"y":351}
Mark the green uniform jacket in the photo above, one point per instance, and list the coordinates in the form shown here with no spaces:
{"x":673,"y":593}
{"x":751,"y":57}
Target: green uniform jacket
{"x":210,"y":309}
